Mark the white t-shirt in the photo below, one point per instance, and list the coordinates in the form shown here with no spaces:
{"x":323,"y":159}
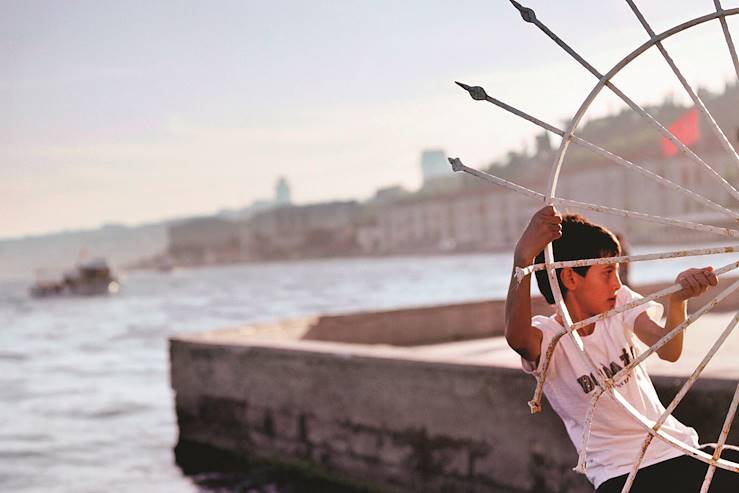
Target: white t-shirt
{"x":615,"y":437}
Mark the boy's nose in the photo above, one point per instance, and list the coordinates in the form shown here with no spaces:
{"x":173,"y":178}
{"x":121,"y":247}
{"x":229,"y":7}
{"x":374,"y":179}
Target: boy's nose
{"x":616,"y":281}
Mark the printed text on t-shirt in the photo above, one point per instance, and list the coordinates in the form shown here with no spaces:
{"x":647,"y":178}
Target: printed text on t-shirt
{"x":589,"y":382}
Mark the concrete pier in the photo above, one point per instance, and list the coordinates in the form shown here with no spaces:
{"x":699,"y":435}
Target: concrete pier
{"x":409,"y":400}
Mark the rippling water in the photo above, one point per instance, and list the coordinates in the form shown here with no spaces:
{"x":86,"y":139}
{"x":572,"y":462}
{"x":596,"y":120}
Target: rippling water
{"x":85,"y":403}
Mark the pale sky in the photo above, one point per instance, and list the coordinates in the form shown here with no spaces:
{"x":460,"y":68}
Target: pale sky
{"x":131,"y":112}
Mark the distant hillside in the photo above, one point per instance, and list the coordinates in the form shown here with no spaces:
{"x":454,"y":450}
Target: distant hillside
{"x":19,"y":258}
{"x":630,"y":136}
{"x":624,"y":133}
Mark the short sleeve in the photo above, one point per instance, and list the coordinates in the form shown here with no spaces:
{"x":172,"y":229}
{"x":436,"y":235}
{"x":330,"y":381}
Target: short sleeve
{"x":653,"y":309}
{"x":548,"y":332}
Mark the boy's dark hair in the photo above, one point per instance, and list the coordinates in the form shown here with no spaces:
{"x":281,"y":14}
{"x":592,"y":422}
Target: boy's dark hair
{"x":580,"y":239}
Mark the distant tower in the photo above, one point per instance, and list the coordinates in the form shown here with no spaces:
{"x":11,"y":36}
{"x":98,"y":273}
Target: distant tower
{"x":282,"y":192}
{"x":434,"y":165}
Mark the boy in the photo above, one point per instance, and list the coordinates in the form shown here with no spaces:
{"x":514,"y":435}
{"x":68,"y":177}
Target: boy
{"x":615,"y":437}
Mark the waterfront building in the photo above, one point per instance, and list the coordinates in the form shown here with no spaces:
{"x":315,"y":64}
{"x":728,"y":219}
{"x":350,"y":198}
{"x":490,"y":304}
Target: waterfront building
{"x":204,"y":240}
{"x":389,"y":194}
{"x":476,"y":218}
{"x":648,"y":196}
{"x":314,"y":230}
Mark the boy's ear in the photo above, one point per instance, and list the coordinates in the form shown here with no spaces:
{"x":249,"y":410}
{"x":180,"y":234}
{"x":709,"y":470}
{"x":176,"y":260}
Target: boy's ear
{"x":569,"y":279}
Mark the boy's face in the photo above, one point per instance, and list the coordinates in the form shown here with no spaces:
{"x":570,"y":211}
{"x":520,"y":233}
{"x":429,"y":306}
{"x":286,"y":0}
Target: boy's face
{"x":596,"y":291}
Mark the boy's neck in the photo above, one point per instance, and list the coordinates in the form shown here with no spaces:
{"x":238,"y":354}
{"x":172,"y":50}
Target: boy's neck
{"x":576,"y":315}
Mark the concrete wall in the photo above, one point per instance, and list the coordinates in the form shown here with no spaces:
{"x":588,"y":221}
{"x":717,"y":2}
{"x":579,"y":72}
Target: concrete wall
{"x":391,"y":416}
{"x":454,"y":322}
{"x":400,"y":424}
{"x":403,"y":425}
{"x":417,"y":326}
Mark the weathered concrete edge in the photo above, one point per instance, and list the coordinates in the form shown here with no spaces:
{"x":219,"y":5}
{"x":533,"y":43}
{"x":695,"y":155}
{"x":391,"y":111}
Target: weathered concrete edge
{"x":713,"y":395}
{"x":232,"y":414}
{"x":338,"y":350}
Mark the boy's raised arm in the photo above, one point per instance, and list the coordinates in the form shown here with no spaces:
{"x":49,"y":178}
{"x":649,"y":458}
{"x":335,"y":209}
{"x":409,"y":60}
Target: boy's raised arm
{"x":695,"y":282}
{"x":545,"y":226}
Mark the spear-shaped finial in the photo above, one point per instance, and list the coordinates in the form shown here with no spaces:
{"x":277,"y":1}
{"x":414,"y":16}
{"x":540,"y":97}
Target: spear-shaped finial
{"x":476,"y":92}
{"x":526,"y":13}
{"x":456,"y":164}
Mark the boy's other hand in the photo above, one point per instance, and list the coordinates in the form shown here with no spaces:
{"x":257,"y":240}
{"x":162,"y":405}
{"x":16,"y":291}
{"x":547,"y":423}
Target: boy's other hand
{"x":695,"y":282}
{"x":545,"y":226}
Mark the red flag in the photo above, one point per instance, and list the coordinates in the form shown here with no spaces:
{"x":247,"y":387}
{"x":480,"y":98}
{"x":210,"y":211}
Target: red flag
{"x":686,"y":129}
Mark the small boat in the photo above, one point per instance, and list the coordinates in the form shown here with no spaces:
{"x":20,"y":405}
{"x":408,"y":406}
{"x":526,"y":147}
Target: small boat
{"x":88,"y":278}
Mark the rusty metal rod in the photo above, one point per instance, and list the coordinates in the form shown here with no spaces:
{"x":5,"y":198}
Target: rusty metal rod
{"x":541,"y":376}
{"x":680,"y":328}
{"x":457,"y":165}
{"x":582,"y":455}
{"x":721,"y":441}
{"x":525,"y":271}
{"x":659,"y":294}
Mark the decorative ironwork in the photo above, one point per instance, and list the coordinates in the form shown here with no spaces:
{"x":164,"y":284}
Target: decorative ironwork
{"x":606,"y":383}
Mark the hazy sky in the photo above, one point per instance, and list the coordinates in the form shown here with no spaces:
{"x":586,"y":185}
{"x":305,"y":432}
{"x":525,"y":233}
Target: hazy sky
{"x":135,"y":111}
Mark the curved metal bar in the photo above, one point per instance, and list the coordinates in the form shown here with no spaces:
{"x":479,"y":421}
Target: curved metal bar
{"x":549,"y":254}
{"x":687,"y":449}
{"x":600,"y":379}
{"x":554,"y":174}
{"x":604,"y":383}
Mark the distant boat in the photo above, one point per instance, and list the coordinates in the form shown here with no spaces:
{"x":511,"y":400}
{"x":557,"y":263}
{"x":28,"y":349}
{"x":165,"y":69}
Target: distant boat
{"x":88,"y":278}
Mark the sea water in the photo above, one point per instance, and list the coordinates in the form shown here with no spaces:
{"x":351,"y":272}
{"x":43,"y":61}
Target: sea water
{"x":85,"y":402}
